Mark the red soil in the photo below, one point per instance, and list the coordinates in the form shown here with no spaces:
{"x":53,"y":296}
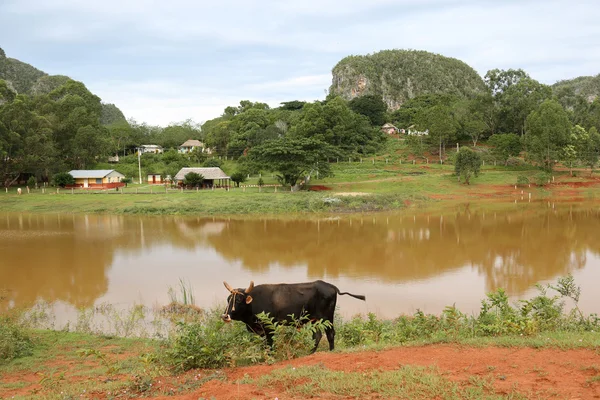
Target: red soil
{"x":318,"y":188}
{"x":546,"y":373}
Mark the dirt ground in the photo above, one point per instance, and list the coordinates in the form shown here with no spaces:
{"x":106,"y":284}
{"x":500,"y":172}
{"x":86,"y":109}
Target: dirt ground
{"x":535,"y":373}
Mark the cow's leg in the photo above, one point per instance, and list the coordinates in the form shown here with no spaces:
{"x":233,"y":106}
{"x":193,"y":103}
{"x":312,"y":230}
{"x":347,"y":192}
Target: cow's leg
{"x":317,"y":336}
{"x":331,"y":337}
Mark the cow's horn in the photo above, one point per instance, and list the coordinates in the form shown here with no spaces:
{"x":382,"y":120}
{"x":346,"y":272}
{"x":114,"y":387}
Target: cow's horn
{"x":250,"y":287}
{"x":227,"y":286}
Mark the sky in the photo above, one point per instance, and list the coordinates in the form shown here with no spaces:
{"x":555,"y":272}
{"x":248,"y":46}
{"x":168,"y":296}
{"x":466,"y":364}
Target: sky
{"x":164,"y":62}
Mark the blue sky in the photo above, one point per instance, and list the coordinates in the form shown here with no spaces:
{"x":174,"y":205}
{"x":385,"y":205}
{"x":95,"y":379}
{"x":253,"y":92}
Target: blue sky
{"x":167,"y":61}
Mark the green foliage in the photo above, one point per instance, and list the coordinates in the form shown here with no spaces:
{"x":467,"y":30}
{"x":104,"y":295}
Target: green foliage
{"x":32,"y":182}
{"x":522,"y":180}
{"x":62,"y":179}
{"x":111,"y":115}
{"x":294,"y":158}
{"x":15,"y":341}
{"x":542,"y":178}
{"x":292,"y":339}
{"x":260,"y":182}
{"x":547,"y":132}
{"x":193,"y":179}
{"x":371,"y":106}
{"x":467,"y":163}
{"x":400,"y":75}
{"x":212,"y":162}
{"x":238,"y":177}
{"x":505,"y":145}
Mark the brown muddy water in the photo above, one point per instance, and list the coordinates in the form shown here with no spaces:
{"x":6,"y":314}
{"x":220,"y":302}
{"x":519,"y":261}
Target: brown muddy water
{"x":402,"y":262}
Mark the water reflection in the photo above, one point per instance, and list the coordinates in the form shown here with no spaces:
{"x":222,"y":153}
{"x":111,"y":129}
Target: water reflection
{"x":81,"y":260}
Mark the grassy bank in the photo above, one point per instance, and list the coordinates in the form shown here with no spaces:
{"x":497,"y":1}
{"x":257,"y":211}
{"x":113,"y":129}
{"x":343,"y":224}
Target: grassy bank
{"x":356,"y":187}
{"x":77,"y":363}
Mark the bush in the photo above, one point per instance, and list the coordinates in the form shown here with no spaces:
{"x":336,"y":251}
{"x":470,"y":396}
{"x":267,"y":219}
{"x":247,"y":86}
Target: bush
{"x":542,"y":178}
{"x":212,"y":162}
{"x":14,"y":340}
{"x":260,"y":182}
{"x":238,"y":177}
{"x":468,"y":163}
{"x":62,"y":179}
{"x":515,"y":162}
{"x":522,"y":180}
{"x":31,"y":182}
{"x":193,"y":179}
{"x":211,"y":343}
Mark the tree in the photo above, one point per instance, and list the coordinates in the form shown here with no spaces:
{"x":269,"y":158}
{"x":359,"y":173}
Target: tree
{"x":63,"y":178}
{"x":505,"y":145}
{"x":212,"y":162}
{"x":588,"y":146}
{"x":547,"y":131}
{"x":468,"y":163}
{"x":371,"y":106}
{"x":294,"y":158}
{"x":470,"y":120}
{"x":193,"y":179}
{"x":440,"y":122}
{"x":238,"y":177}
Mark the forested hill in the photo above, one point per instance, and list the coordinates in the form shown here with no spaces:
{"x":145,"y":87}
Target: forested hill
{"x":23,"y":78}
{"x":400,"y":75}
{"x":587,"y":87}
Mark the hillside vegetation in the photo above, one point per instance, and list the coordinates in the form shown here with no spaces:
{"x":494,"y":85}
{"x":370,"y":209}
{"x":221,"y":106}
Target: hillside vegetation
{"x":400,"y":75}
{"x":26,"y":79}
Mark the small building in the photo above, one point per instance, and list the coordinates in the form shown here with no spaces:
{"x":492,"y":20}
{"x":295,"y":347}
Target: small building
{"x":97,"y":178}
{"x":389,"y":129}
{"x":191,"y":144}
{"x":413,"y":131}
{"x":113,"y":159}
{"x":213,"y":176}
{"x":155,"y":179}
{"x":151,"y":148}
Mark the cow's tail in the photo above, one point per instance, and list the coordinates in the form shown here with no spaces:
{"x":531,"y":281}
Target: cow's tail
{"x":356,"y":296}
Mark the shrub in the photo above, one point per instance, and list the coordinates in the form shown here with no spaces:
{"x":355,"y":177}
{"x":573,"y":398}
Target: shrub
{"x":542,"y":178}
{"x":238,"y":177}
{"x":467,"y":163}
{"x":193,"y":179}
{"x":31,"y":182}
{"x":522,"y":180}
{"x":212,"y":162}
{"x":211,"y":343}
{"x":63,"y":178}
{"x":515,"y":162}
{"x":14,"y":340}
{"x":260,"y":181}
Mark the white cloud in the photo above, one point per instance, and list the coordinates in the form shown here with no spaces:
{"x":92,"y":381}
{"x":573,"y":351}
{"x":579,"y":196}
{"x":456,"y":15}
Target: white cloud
{"x":168,"y":61}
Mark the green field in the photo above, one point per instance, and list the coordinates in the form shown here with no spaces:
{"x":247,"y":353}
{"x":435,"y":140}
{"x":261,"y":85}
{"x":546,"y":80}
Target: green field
{"x":355,"y":187}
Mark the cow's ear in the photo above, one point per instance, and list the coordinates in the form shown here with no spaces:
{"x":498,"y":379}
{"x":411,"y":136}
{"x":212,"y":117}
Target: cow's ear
{"x":248,"y":299}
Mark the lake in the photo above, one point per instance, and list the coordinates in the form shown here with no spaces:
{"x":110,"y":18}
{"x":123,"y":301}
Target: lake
{"x":402,"y":262}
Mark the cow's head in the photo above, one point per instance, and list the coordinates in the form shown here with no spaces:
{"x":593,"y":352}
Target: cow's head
{"x":238,"y":302}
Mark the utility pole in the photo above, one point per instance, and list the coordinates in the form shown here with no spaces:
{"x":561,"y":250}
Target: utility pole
{"x":140,"y":163}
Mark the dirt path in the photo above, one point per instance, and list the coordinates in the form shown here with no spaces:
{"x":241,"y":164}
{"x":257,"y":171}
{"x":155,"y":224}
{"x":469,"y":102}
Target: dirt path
{"x":544,"y":373}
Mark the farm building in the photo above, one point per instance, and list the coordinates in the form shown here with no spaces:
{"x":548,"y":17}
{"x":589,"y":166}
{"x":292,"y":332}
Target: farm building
{"x":151,"y":148}
{"x":155,"y":179}
{"x":389,"y":129}
{"x":191,"y":144}
{"x":97,"y":178}
{"x":213,"y":176}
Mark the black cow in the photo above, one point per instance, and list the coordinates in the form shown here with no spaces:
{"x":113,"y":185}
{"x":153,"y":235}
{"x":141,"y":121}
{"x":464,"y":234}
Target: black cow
{"x":316,"y":299}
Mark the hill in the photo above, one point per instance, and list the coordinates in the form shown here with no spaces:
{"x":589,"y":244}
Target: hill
{"x":584,"y":86}
{"x":26,"y":79}
{"x":400,"y":75}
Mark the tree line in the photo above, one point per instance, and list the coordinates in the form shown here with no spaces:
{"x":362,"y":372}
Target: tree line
{"x":515,"y":114}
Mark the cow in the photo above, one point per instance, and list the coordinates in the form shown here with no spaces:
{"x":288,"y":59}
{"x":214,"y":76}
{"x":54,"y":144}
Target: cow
{"x":313,"y":299}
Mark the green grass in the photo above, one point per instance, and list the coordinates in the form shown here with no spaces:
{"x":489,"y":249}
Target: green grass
{"x":407,"y":382}
{"x":392,"y":186}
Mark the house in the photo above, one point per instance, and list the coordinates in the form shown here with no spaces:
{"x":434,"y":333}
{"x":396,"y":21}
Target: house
{"x":412,"y":131}
{"x":213,"y":176}
{"x":191,"y":144}
{"x":389,"y":129}
{"x":97,"y":178}
{"x":155,"y":179}
{"x":151,"y":148}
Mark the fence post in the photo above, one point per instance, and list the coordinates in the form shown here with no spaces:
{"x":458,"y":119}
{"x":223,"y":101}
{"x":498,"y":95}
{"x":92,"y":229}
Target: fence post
{"x":72,"y":192}
{"x":57,"y":190}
